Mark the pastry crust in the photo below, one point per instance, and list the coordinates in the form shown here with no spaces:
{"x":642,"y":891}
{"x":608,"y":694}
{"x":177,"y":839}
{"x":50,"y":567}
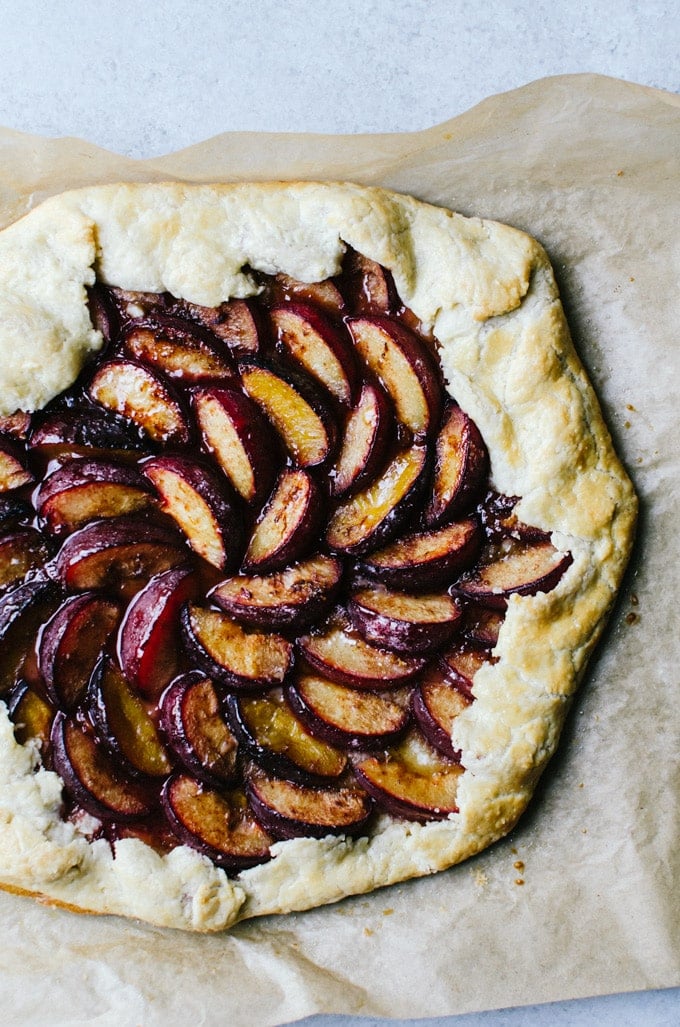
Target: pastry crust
{"x":488,"y":292}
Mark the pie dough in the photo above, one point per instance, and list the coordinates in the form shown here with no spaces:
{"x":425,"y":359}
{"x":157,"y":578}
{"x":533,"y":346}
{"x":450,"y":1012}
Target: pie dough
{"x":489,"y":294}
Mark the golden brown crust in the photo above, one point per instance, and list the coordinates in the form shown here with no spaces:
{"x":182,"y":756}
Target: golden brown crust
{"x":490,"y":295}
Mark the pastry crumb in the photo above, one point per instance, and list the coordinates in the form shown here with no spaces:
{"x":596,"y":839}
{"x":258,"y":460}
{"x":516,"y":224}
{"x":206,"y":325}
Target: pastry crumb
{"x":518,"y":864}
{"x":632,"y":618}
{"x":519,"y":880}
{"x":388,"y":912}
{"x":480,"y":878}
{"x":368,"y":932}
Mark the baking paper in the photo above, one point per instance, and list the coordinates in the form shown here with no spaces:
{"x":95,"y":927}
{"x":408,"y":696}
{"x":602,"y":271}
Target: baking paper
{"x":582,"y":898}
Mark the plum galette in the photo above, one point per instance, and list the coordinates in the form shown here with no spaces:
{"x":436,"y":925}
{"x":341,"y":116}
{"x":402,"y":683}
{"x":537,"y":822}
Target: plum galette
{"x":309,"y":521}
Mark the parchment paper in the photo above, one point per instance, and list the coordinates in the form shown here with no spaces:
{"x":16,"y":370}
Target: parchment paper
{"x":590,"y":166}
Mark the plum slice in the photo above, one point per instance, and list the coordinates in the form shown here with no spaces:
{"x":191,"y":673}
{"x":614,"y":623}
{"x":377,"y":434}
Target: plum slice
{"x":460,"y":664}
{"x":232,"y":656}
{"x":402,"y":621}
{"x":436,"y":703}
{"x":16,"y":425}
{"x":372,"y":516}
{"x":324,"y":294}
{"x":526,"y":569}
{"x":460,"y":467}
{"x":236,"y":323}
{"x":14,"y":473}
{"x":482,"y":625}
{"x":140,"y":395}
{"x":23,"y":609}
{"x":86,"y":490}
{"x":15,"y":512}
{"x":177,"y":351}
{"x":32,"y":717}
{"x":191,"y":717}
{"x":195,"y":497}
{"x":71,"y":643}
{"x":342,"y":655}
{"x":290,"y":598}
{"x":367,"y":435}
{"x":274,"y":737}
{"x":345,"y":716}
{"x":239,"y":438}
{"x":425,"y":560}
{"x":148,"y":640}
{"x":92,"y":777}
{"x":415,"y":781}
{"x":368,"y":286}
{"x":218,"y":824}
{"x":298,"y":412}
{"x":289,"y":809}
{"x":21,"y":552}
{"x":318,"y":346}
{"x":124,"y":723}
{"x":405,"y":367}
{"x":89,"y":430}
{"x":287,"y":527}
{"x":118,"y":555}
{"x":501,"y":523}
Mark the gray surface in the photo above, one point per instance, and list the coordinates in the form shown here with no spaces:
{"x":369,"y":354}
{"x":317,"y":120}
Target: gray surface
{"x":147,"y":81}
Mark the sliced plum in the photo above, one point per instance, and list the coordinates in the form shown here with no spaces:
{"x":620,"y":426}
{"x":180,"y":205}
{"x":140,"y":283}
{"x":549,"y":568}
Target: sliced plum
{"x":287,"y":528}
{"x":405,"y":367}
{"x":196,"y":498}
{"x":371,"y":517}
{"x":237,"y":323}
{"x":273,"y":736}
{"x":436,"y":703}
{"x":345,"y":716}
{"x":178,"y":351}
{"x":140,"y":395}
{"x":118,"y":555}
{"x":148,"y":646}
{"x":23,"y":609}
{"x":72,"y":642}
{"x":219,"y":824}
{"x":290,"y":598}
{"x":124,"y":723}
{"x":240,"y":439}
{"x":415,"y":781}
{"x":85,"y":430}
{"x":526,"y":569}
{"x":342,"y":655}
{"x":22,"y":552}
{"x":324,"y":294}
{"x":367,"y":437}
{"x":425,"y":560}
{"x":289,"y":809}
{"x":238,"y":659}
{"x":14,"y":472}
{"x":193,"y":722}
{"x":404,"y":622}
{"x":32,"y":717}
{"x":318,"y":346}
{"x":461,"y":662}
{"x":92,"y":777}
{"x":296,"y":408}
{"x":460,"y":467}
{"x":368,"y":286}
{"x":482,"y":625}
{"x":80,"y":491}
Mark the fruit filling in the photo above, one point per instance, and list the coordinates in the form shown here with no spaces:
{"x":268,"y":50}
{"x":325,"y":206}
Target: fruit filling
{"x":250,"y":565}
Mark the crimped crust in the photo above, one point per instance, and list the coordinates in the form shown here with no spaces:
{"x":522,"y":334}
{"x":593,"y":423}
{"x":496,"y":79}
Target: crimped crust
{"x":489,"y":293}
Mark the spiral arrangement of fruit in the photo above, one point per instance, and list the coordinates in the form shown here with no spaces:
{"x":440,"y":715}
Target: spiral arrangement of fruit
{"x":250,"y":563}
